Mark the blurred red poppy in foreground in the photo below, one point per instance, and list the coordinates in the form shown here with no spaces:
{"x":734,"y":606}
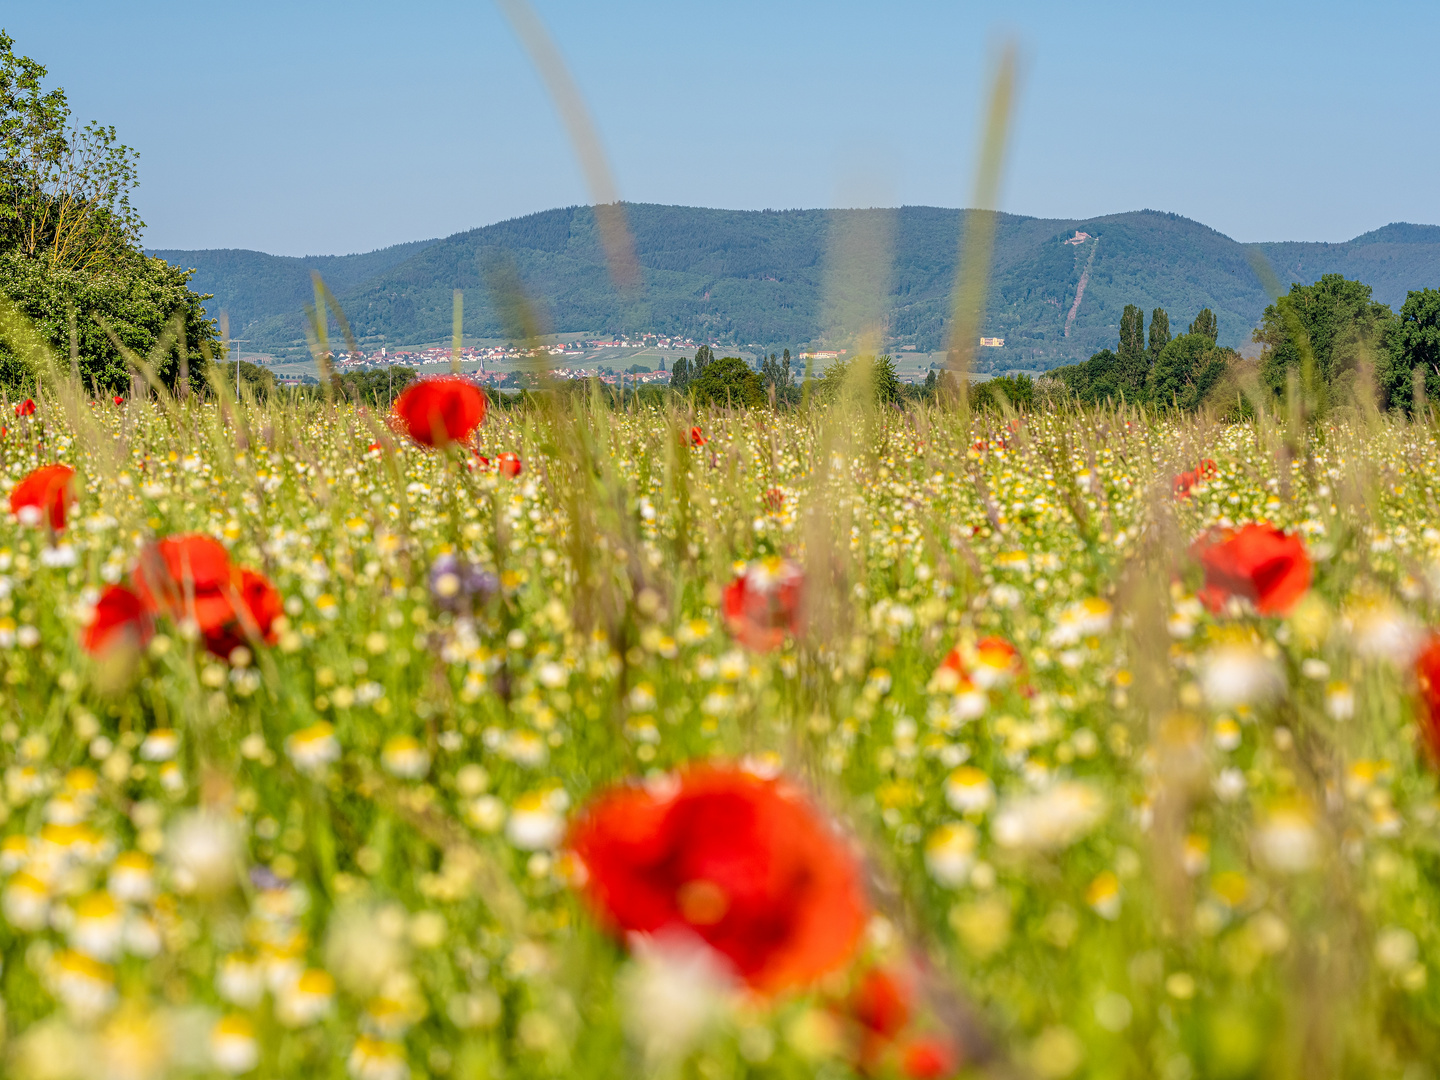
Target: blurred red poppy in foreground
{"x":25,"y":408}
{"x":745,"y":864}
{"x":1258,"y":563}
{"x":881,"y":1005}
{"x":928,"y":1058}
{"x":192,"y":576}
{"x":762,"y":604}
{"x":120,"y":619}
{"x":509,"y":464}
{"x":697,"y":437}
{"x":1427,"y":678}
{"x":187,"y":575}
{"x":119,"y":399}
{"x":436,"y":412}
{"x":260,"y":603}
{"x":44,"y":494}
{"x":883,"y":1008}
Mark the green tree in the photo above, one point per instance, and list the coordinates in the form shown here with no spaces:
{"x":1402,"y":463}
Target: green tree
{"x":1016,"y":391}
{"x":728,"y":381}
{"x":1338,"y":320}
{"x":376,"y":387}
{"x":680,"y":375}
{"x":773,"y":374}
{"x":704,"y":357}
{"x":845,"y":379}
{"x":1188,"y":366}
{"x":1159,"y":333}
{"x":138,"y":299}
{"x":1099,"y":379}
{"x":887,"y":381}
{"x":1134,"y":362}
{"x":1132,"y":330}
{"x":1411,"y":341}
{"x":64,"y":192}
{"x":1206,"y":325}
{"x":69,"y":245}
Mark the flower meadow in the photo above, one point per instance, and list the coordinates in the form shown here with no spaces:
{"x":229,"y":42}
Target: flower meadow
{"x":561,"y":740}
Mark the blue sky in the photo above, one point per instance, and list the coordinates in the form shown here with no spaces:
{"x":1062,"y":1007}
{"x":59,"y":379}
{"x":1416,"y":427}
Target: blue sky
{"x":310,"y":128}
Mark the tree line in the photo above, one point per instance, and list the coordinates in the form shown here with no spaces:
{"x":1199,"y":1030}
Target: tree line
{"x":70,"y":255}
{"x":1331,"y":338}
{"x":1153,"y":367}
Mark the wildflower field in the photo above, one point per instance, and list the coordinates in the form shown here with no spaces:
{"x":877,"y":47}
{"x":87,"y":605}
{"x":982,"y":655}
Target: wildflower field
{"x":563,"y":740}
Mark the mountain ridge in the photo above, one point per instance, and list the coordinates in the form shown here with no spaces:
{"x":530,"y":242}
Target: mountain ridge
{"x":763,"y":277}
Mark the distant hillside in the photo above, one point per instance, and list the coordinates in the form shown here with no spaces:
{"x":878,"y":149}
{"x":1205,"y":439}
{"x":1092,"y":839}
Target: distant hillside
{"x":741,"y":277}
{"x":1392,"y":260}
{"x":255,"y":287}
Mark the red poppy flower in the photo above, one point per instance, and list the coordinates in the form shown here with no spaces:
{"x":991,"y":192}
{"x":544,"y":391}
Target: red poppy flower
{"x":436,"y":412}
{"x":762,"y":605}
{"x":120,"y":617}
{"x":774,"y":500}
{"x":928,"y":1058}
{"x":881,"y":1006}
{"x":260,"y":605}
{"x":118,"y":399}
{"x":1427,"y":678}
{"x":509,"y":464}
{"x":1258,"y":563}
{"x":25,"y":408}
{"x":1207,"y":469}
{"x":883,"y":1009}
{"x":190,"y":575}
{"x":697,"y":437}
{"x":1182,"y":484}
{"x":882,"y":1002}
{"x":44,"y":494}
{"x":745,"y":864}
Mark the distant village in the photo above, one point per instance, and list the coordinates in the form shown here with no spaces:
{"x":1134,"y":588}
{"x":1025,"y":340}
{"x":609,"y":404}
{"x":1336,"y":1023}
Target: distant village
{"x":505,"y":365}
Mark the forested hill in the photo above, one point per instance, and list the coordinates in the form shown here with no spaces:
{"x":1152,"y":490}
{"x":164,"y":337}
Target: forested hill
{"x":742,"y":277}
{"x":1391,"y":260}
{"x":255,"y":287}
